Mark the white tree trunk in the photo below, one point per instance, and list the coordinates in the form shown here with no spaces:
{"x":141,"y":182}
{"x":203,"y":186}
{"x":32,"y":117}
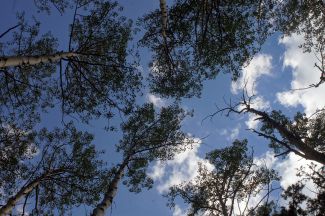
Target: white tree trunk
{"x":11,"y":203}
{"x":11,"y":61}
{"x":110,"y":193}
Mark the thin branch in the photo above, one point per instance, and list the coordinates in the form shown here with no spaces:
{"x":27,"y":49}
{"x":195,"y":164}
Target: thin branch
{"x":8,"y":30}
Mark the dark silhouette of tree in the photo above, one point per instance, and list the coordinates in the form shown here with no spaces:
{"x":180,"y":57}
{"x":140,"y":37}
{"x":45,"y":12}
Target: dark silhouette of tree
{"x":307,"y":19}
{"x":90,"y":78}
{"x":303,"y":136}
{"x":199,"y":39}
{"x":57,"y":170}
{"x":234,"y":180}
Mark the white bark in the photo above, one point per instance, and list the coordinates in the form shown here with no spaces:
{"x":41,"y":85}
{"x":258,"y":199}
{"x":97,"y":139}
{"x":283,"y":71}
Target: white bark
{"x":11,"y":61}
{"x":11,"y":203}
{"x":110,"y":193}
{"x":7,"y":208}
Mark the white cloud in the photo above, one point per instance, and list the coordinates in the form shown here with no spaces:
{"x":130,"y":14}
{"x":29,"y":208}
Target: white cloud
{"x":287,"y":170}
{"x":259,"y":66}
{"x":303,"y":74}
{"x":182,"y":168}
{"x":157,"y":101}
{"x":177,"y":211}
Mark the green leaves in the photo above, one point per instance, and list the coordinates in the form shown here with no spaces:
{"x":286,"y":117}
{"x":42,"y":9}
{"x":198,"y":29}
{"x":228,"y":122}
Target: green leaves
{"x":234,"y":179}
{"x":203,"y":39}
{"x":150,"y":136}
{"x":64,"y":171}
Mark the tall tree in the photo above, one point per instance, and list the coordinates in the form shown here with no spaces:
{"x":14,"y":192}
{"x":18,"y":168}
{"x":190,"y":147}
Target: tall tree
{"x":199,"y":39}
{"x":148,"y":136}
{"x":303,"y":135}
{"x":306,"y":18}
{"x":232,"y":182}
{"x":90,"y":78}
{"x":59,"y":169}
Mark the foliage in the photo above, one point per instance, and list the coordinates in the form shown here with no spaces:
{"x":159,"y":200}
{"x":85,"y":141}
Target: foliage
{"x":64,"y":164}
{"x":88,"y":85}
{"x":150,"y":136}
{"x":309,"y":131}
{"x":202,"y":39}
{"x":306,"y":18}
{"x":235,"y":178}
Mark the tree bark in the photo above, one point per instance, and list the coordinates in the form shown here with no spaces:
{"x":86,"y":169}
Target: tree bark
{"x":309,"y":153}
{"x":111,"y":191}
{"x":163,"y":9}
{"x":11,"y":203}
{"x":11,"y":61}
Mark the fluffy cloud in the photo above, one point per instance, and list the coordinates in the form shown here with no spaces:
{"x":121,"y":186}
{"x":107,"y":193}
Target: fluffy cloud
{"x":157,"y":101}
{"x":287,"y":169}
{"x":178,"y":211}
{"x":259,"y":66}
{"x":303,"y":74}
{"x":182,"y":168}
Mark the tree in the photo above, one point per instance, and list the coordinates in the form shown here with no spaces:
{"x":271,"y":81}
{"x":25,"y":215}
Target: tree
{"x":298,"y":203}
{"x":305,"y":18}
{"x":59,"y":169}
{"x":199,"y":39}
{"x":89,"y":79}
{"x":147,"y":137}
{"x":303,"y":136}
{"x":233,"y":181}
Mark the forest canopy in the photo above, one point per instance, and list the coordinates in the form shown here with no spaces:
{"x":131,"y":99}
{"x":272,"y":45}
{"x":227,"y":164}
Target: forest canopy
{"x":217,"y":105}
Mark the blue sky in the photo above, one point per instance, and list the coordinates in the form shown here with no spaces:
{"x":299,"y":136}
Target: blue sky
{"x":279,"y":67}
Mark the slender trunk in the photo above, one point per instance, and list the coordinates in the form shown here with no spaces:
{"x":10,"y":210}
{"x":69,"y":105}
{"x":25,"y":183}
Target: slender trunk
{"x":163,"y":9}
{"x":111,"y":191}
{"x":11,"y":203}
{"x":309,"y":153}
{"x":11,"y":61}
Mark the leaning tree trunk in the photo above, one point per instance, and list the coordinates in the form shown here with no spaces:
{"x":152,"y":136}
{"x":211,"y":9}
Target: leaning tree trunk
{"x":11,"y":203}
{"x":308,"y":152}
{"x":111,"y":192}
{"x":34,"y":60}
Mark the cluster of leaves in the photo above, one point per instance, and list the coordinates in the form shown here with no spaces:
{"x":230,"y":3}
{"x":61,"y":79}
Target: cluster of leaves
{"x":88,"y":85}
{"x":203,"y":38}
{"x":299,"y":135}
{"x":149,"y":136}
{"x":233,"y":181}
{"x":58,"y":168}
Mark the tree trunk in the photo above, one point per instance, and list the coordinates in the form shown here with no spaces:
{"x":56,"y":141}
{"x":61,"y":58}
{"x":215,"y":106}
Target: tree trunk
{"x":11,"y":61}
{"x":163,"y":9}
{"x":11,"y":203}
{"x":111,"y":191}
{"x":309,"y":153}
